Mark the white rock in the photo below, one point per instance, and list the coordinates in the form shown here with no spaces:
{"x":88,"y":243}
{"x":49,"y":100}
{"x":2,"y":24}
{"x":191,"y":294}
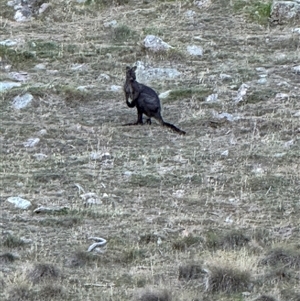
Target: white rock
{"x":155,"y":43}
{"x":195,"y":50}
{"x":241,"y":93}
{"x":212,"y":98}
{"x":115,"y":88}
{"x":19,"y":76}
{"x":19,"y":202}
{"x":297,"y":30}
{"x":22,"y":101}
{"x":104,"y":76}
{"x":296,"y":69}
{"x":190,"y":13}
{"x":40,"y":66}
{"x":43,"y":7}
{"x":20,"y":17}
{"x":203,"y":3}
{"x":261,"y":69}
{"x":31,"y":142}
{"x":225,"y":153}
{"x":77,"y":66}
{"x":262,"y":81}
{"x":289,"y":143}
{"x":112,"y":23}
{"x":8,"y":43}
{"x":281,"y":96}
{"x":8,"y":85}
{"x":42,"y":132}
{"x":40,"y":156}
{"x":164,"y":95}
{"x":224,"y":76}
{"x":127,"y":173}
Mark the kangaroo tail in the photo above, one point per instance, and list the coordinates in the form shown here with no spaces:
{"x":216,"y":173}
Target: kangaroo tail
{"x":173,"y":127}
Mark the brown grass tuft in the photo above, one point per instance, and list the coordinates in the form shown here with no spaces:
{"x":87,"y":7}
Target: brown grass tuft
{"x":190,"y":272}
{"x":43,"y":272}
{"x":228,"y":280}
{"x":288,"y":256}
{"x":155,"y":295}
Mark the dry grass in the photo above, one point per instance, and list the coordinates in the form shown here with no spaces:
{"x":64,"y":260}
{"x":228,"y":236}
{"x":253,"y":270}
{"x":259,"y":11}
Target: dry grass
{"x":183,"y":220}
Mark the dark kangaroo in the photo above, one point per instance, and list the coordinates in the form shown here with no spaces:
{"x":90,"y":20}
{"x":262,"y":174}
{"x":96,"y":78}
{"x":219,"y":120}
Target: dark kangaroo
{"x":145,"y":100}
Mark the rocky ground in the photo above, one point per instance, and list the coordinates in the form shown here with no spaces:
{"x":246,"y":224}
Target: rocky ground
{"x":212,"y":215}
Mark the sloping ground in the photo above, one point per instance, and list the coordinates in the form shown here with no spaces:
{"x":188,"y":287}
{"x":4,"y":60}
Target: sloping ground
{"x":223,"y":196}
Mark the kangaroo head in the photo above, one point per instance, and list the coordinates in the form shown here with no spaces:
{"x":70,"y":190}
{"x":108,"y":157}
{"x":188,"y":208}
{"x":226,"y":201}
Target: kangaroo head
{"x":130,"y":73}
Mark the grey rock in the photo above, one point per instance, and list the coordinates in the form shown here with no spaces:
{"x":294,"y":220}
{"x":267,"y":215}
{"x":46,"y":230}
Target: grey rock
{"x":262,"y":81}
{"x":296,"y":30}
{"x":40,"y":156}
{"x":195,"y":50}
{"x":285,"y":10}
{"x":241,"y":93}
{"x":31,"y":142}
{"x":156,"y":44}
{"x":112,"y":24}
{"x":19,"y":76}
{"x":8,"y":85}
{"x":19,"y":202}
{"x":212,"y":98}
{"x":115,"y":88}
{"x":8,"y":43}
{"x":164,"y":95}
{"x":225,"y":77}
{"x":40,"y":67}
{"x":296,"y":69}
{"x":22,"y":101}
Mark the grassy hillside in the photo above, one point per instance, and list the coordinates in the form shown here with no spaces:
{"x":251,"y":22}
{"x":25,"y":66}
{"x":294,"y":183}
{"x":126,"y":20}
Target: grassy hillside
{"x":213,"y":215}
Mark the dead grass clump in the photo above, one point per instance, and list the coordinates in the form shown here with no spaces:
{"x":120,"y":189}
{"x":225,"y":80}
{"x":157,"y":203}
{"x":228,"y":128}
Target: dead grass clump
{"x":185,"y":242}
{"x":234,"y":239}
{"x":265,"y":298}
{"x":289,"y":294}
{"x":43,"y":272}
{"x":227,"y":279}
{"x":50,"y":292}
{"x":7,"y":257}
{"x":82,"y":258}
{"x":190,"y":272}
{"x":13,"y":242}
{"x":262,"y":235}
{"x":151,"y":295}
{"x":123,"y":33}
{"x":287,"y":256}
{"x":148,"y":238}
{"x":67,"y":221}
{"x":132,"y":255}
{"x":20,"y":293}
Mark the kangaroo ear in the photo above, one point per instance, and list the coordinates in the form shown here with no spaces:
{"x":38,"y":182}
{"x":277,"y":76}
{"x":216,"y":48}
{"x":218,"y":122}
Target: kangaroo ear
{"x":127,"y":68}
{"x":134,"y":68}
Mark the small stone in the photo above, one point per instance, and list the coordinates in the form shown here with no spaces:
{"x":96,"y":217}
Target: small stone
{"x":19,"y":76}
{"x":297,"y":30}
{"x":8,"y":43}
{"x":262,"y":81}
{"x":155,"y":43}
{"x":20,"y":102}
{"x":112,"y":24}
{"x":19,"y":202}
{"x":195,"y":50}
{"x":241,"y":93}
{"x":282,"y":96}
{"x":164,"y":95}
{"x":225,"y":77}
{"x":42,"y":132}
{"x":40,"y":66}
{"x":212,"y":98}
{"x":8,"y":85}
{"x":296,"y":69}
{"x":40,"y":156}
{"x":43,"y":7}
{"x":31,"y":142}
{"x":225,"y":153}
{"x":115,"y":88}
{"x":190,"y":13}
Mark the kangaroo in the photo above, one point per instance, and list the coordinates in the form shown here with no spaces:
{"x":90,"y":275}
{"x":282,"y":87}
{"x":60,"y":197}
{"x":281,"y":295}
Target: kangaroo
{"x":145,"y":100}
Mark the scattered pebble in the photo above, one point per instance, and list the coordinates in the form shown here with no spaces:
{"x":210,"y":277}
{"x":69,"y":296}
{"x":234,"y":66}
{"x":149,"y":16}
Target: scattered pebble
{"x":31,"y":142}
{"x":22,"y":101}
{"x":195,"y":50}
{"x":8,"y":85}
{"x":212,"y":98}
{"x":8,"y":43}
{"x":112,"y":24}
{"x":155,"y":43}
{"x":19,"y":202}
